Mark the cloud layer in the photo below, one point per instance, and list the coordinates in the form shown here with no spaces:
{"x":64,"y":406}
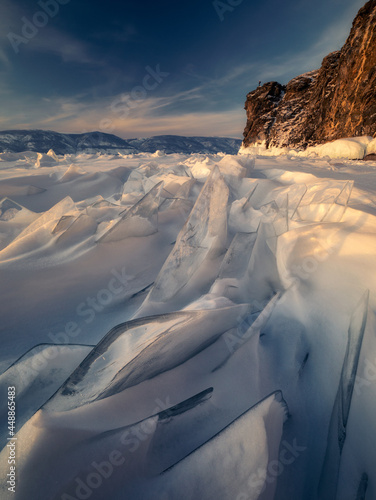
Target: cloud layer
{"x":85,"y":70}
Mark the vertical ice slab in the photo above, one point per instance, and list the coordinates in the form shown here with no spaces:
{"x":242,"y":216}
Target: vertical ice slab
{"x":340,"y":414}
{"x":180,"y":430}
{"x":83,"y":227}
{"x":63,"y":224}
{"x":62,"y":208}
{"x":202,"y":237}
{"x":324,"y":201}
{"x":234,"y":463}
{"x":234,"y":267}
{"x":237,"y":256}
{"x":36,"y":376}
{"x":338,"y":209}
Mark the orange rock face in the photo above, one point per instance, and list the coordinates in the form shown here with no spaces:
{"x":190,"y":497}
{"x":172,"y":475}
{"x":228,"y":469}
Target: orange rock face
{"x":336,"y":101}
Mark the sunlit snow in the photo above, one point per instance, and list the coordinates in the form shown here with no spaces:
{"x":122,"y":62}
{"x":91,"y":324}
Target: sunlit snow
{"x":190,"y":326}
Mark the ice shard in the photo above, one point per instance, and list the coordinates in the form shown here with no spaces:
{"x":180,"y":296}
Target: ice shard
{"x":140,"y":220}
{"x":82,"y":228}
{"x":62,"y":208}
{"x":142,"y":349}
{"x":248,"y":163}
{"x":103,"y":210}
{"x":338,"y":209}
{"x":342,"y":405}
{"x":234,"y":267}
{"x":121,"y":173}
{"x":277,"y":216}
{"x":235,"y":261}
{"x":13,"y":219}
{"x":249,"y":271}
{"x":9,"y":209}
{"x":174,"y":432}
{"x":318,"y":203}
{"x":171,"y":183}
{"x":82,"y":448}
{"x":72,"y":172}
{"x":261,"y":280}
{"x":63,"y":224}
{"x":234,"y":463}
{"x":182,"y":429}
{"x":294,"y":194}
{"x":179,"y":200}
{"x":249,"y":327}
{"x":5,"y":205}
{"x":36,"y":376}
{"x":202,"y":237}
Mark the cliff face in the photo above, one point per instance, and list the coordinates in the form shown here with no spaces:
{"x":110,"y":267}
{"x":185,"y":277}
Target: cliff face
{"x":336,"y":101}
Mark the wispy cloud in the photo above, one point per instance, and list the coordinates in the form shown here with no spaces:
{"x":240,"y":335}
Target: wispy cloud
{"x":212,"y":105}
{"x":69,"y":48}
{"x":47,"y":39}
{"x":228,"y":124}
{"x":145,"y":119}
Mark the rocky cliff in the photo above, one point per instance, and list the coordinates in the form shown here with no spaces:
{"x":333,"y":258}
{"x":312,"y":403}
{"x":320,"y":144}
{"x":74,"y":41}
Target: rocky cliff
{"x":336,"y":101}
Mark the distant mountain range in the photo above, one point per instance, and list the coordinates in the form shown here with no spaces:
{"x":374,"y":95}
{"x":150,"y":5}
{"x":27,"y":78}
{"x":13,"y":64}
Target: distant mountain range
{"x":41,"y":141}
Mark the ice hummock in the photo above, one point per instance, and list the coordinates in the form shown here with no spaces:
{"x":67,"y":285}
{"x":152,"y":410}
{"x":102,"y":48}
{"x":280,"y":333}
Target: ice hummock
{"x":278,"y":253}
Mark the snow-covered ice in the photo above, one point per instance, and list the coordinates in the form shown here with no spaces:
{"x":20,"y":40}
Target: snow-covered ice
{"x":350,"y":148}
{"x":183,"y":326}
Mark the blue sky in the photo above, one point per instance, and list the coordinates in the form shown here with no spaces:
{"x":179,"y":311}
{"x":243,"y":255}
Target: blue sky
{"x":143,"y":68}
